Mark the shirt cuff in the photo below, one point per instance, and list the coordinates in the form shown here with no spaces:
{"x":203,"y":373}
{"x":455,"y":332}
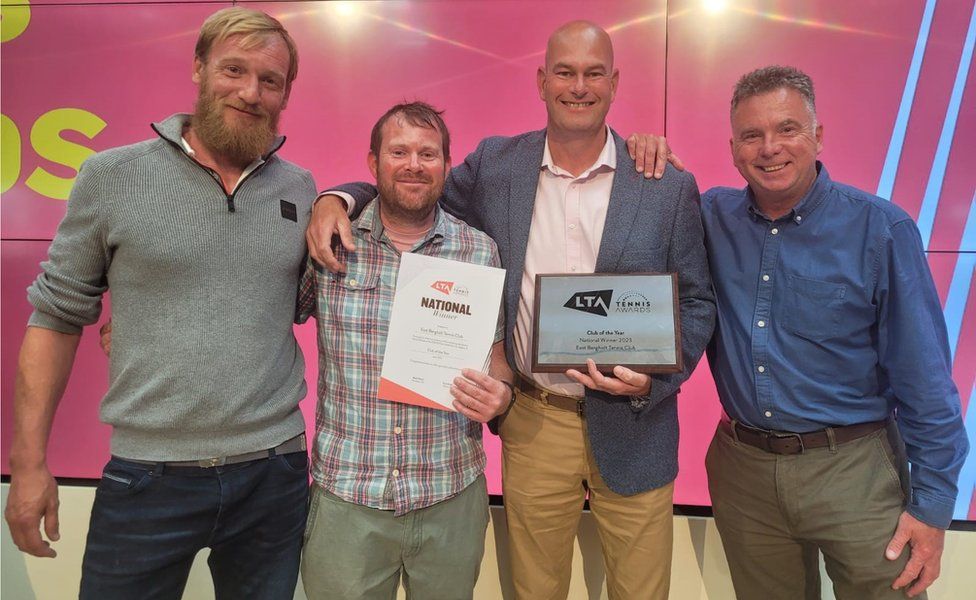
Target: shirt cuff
{"x":931,"y":510}
{"x":637,"y":403}
{"x":350,"y":201}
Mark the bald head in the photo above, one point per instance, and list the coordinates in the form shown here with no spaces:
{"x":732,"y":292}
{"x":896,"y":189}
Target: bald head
{"x":576,"y":34}
{"x":578,"y":82}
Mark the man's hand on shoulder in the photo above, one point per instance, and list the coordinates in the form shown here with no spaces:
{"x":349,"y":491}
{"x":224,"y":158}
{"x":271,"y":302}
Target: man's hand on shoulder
{"x":624,"y":382}
{"x":33,"y":496}
{"x":925,"y":559}
{"x":480,"y":397}
{"x":329,"y":218}
{"x":650,"y":150}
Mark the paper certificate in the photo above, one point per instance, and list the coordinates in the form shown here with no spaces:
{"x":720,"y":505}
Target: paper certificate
{"x":443,"y":320}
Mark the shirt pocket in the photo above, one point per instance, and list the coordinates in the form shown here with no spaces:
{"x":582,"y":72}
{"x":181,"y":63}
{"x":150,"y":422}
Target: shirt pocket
{"x":351,"y":295}
{"x":812,"y":309}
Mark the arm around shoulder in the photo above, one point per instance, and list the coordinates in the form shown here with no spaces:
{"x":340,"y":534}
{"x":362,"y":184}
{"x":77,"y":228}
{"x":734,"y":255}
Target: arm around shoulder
{"x":696,"y":300}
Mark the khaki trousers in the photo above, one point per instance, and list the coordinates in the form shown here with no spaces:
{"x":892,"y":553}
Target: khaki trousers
{"x":547,"y":468}
{"x":354,"y":552}
{"x":774,"y":512}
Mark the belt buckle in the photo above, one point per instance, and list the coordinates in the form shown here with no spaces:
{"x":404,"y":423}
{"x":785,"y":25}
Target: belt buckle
{"x":785,"y":436}
{"x":212,"y":462}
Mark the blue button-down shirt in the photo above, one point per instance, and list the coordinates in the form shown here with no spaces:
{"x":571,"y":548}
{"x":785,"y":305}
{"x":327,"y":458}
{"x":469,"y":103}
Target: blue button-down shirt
{"x":828,"y":316}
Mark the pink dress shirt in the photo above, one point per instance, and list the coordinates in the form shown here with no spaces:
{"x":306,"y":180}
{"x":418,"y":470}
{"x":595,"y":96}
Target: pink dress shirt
{"x":567,"y":226}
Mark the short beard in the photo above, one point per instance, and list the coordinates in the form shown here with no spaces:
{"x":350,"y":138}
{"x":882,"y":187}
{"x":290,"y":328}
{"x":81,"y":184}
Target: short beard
{"x":394,"y":205}
{"x":240,"y":145}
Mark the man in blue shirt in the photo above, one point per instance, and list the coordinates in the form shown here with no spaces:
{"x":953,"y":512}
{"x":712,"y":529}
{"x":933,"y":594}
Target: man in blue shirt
{"x":831,"y":360}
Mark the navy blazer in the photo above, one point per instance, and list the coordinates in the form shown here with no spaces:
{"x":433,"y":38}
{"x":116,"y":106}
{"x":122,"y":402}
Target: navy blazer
{"x":651,"y":225}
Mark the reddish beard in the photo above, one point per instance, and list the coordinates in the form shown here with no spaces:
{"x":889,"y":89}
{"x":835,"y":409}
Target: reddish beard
{"x":239,"y":144}
{"x":408,"y":207}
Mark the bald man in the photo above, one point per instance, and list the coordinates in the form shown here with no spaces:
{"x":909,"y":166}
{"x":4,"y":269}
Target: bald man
{"x":568,"y":199}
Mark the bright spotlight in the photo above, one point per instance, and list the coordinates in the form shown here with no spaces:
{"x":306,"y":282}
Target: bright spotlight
{"x":344,"y":8}
{"x":715,"y":6}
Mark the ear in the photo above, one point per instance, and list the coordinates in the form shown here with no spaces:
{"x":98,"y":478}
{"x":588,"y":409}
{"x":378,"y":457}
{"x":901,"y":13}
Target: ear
{"x":540,"y":82}
{"x":373,"y":163}
{"x":819,"y":135}
{"x":614,"y":79}
{"x":198,"y":67}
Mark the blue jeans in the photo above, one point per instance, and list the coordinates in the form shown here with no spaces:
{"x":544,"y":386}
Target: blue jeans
{"x":149,"y":522}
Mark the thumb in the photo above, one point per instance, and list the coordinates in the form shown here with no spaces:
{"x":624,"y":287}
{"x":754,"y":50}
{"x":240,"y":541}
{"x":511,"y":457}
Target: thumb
{"x":51,"y":527}
{"x":345,"y":236}
{"x":897,"y":543}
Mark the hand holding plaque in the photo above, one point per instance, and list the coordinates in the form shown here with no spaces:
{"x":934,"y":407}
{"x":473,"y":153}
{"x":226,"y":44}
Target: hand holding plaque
{"x":630,"y":320}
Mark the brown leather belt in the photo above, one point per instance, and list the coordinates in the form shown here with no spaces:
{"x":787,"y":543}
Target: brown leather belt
{"x":295,"y":444}
{"x":569,"y":403}
{"x":779,"y":442}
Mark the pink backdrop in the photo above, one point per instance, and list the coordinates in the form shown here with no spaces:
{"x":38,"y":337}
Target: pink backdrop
{"x":90,"y":76}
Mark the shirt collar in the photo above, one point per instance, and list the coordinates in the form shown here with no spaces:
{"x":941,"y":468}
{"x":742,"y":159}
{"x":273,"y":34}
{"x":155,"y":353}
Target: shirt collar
{"x":810,"y":201}
{"x":371,"y":225}
{"x":193,"y":154}
{"x":607,"y":160}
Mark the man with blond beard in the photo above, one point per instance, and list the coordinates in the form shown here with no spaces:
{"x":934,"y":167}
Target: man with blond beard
{"x":198,"y":233}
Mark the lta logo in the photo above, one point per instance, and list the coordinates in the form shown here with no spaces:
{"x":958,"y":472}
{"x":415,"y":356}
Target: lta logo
{"x":596,"y":302}
{"x":443,"y":287}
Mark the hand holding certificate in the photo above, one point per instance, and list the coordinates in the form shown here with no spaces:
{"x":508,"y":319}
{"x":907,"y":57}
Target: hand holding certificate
{"x":443,"y":319}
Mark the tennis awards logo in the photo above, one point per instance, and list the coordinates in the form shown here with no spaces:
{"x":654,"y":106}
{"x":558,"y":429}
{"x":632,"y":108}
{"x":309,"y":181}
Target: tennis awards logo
{"x":600,"y":302}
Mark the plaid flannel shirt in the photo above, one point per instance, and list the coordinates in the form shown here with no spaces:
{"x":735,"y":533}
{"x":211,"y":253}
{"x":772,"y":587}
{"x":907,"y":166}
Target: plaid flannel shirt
{"x":380,"y":454}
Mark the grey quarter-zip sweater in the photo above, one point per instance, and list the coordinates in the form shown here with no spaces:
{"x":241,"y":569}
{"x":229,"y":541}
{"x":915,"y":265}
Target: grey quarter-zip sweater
{"x":204,"y":359}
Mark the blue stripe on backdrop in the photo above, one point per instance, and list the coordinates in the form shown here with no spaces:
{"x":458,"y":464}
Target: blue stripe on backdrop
{"x":890,"y":170}
{"x":967,"y":478}
{"x":955,"y":307}
{"x":930,"y":202}
{"x":962,"y":278}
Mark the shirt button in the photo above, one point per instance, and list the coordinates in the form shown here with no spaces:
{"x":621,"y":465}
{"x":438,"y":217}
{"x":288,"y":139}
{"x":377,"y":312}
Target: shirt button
{"x":398,"y":430}
{"x":396,"y":472}
{"x":761,"y":323}
{"x":774,"y":231}
{"x":767,"y":413}
{"x":353,"y":283}
{"x":765,"y":277}
{"x":761,"y":369}
{"x":572,"y":268}
{"x":572,"y":225}
{"x":798,"y":218}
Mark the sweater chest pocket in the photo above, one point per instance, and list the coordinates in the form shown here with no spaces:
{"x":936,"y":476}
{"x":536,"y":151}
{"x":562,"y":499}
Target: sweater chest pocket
{"x":811,"y":308}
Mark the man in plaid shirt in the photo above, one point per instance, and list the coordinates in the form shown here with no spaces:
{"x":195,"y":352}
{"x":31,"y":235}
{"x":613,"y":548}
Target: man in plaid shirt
{"x":399,"y":489}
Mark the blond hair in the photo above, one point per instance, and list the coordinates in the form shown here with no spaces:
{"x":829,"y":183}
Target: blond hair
{"x":253,"y":26}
